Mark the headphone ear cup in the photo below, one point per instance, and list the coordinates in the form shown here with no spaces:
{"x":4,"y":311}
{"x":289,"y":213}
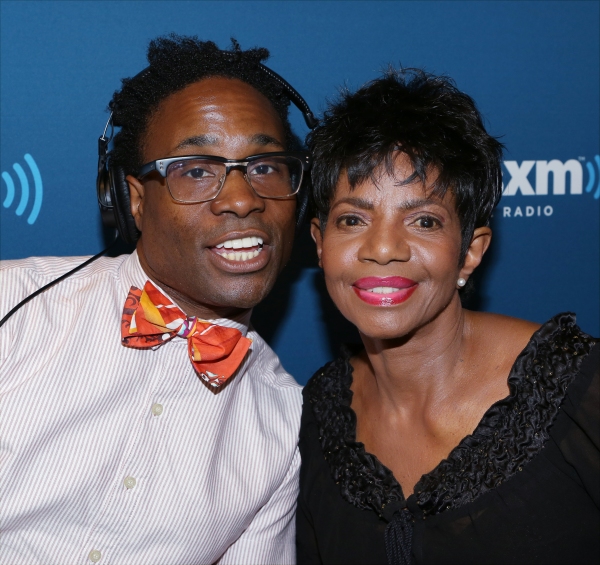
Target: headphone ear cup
{"x":103,"y":192}
{"x":119,"y":191}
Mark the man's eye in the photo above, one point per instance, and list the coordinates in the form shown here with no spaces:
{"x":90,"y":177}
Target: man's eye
{"x":427,"y":222}
{"x":197,"y":173}
{"x":262,"y":169}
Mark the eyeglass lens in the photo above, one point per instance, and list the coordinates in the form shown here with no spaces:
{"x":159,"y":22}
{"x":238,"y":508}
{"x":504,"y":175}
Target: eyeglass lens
{"x":200,"y":179}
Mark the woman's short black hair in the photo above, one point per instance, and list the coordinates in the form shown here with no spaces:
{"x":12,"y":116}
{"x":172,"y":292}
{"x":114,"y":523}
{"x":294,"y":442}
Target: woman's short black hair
{"x":176,"y":62}
{"x":424,"y":116}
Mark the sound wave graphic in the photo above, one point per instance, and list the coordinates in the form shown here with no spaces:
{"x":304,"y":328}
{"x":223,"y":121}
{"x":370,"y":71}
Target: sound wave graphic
{"x":592,"y":179}
{"x":24,"y":200}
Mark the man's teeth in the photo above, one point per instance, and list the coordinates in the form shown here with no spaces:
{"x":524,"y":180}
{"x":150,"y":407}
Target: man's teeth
{"x":241,"y":256}
{"x":383,"y":289}
{"x":246,"y":243}
{"x":242,"y":243}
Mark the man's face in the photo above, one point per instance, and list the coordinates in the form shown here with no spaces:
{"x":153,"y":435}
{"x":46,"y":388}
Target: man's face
{"x":178,"y":246}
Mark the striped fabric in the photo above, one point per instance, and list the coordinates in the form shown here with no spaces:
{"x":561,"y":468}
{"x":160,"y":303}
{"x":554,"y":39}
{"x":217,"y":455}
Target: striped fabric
{"x":115,"y":455}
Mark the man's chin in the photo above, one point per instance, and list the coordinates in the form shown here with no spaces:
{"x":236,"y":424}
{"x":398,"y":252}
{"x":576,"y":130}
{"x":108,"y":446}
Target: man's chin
{"x":240,"y":302}
{"x":226,"y":305}
{"x":243,"y":290}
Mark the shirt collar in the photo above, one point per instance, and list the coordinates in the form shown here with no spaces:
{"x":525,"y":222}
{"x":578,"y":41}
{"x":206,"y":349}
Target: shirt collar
{"x":132,"y":274}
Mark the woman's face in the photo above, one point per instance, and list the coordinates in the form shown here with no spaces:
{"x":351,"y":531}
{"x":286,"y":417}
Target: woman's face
{"x":390,"y":253}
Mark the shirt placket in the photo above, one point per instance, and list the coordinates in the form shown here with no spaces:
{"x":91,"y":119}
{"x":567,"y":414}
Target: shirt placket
{"x":137,"y":463}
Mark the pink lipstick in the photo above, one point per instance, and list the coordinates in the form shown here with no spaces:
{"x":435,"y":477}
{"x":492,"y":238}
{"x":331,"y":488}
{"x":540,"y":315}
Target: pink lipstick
{"x":384,"y":291}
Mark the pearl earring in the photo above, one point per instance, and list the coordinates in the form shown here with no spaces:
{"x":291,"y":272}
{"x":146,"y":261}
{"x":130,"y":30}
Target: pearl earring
{"x":461,"y":282}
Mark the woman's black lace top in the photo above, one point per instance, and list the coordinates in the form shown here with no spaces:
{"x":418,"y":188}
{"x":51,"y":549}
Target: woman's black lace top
{"x":510,"y":437}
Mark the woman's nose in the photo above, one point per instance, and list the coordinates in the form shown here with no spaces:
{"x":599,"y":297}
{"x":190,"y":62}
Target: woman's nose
{"x":237,"y":196}
{"x":383,"y":244}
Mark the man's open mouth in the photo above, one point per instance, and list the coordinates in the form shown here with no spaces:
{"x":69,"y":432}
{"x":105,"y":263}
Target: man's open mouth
{"x":242,"y":249}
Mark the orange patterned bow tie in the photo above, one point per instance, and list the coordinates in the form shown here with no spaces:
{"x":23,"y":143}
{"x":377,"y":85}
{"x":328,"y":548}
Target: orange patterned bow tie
{"x":150,"y":319}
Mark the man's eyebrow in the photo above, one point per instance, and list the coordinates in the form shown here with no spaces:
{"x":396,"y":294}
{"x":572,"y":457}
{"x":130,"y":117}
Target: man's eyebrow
{"x":265,"y":139}
{"x":207,"y":139}
{"x":197,"y":141}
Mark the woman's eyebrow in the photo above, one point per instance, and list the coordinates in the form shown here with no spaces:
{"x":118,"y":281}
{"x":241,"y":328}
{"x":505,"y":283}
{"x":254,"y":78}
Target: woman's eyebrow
{"x":417,"y":203}
{"x":368,"y":205}
{"x":355,"y":201}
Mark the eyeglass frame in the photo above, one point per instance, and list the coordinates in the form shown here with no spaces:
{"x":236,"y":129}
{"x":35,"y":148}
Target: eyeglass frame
{"x":162,"y":165}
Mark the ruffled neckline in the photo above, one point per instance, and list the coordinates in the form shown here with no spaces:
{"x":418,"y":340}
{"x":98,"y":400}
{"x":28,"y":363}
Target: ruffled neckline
{"x":509,"y":435}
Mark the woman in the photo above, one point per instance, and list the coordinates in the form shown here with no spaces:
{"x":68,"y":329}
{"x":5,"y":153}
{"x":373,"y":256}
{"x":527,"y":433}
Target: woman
{"x":452,"y":436}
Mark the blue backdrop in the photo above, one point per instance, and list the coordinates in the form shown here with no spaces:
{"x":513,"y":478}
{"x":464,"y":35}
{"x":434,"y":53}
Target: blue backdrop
{"x":533,"y":68}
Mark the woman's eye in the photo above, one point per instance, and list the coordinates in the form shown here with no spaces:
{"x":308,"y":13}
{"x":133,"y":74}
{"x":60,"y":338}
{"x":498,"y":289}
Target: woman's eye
{"x":349,"y":221}
{"x":427,"y":222}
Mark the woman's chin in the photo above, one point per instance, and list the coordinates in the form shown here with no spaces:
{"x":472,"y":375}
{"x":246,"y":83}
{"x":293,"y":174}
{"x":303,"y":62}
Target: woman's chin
{"x":383,"y":332}
{"x":403,"y":321}
{"x":377,"y":323}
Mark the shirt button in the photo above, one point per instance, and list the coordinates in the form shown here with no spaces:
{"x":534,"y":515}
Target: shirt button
{"x":157,"y":409}
{"x":129,"y":482}
{"x":95,"y":556}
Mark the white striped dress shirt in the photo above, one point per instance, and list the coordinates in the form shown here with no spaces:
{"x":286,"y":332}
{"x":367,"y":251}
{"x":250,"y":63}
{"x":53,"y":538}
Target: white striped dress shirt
{"x":114,"y":455}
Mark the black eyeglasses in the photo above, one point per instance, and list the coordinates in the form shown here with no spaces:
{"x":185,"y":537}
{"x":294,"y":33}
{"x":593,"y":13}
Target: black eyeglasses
{"x":200,"y":178}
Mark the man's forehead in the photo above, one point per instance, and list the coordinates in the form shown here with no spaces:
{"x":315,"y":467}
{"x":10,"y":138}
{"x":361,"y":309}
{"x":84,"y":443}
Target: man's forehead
{"x":216,"y":91}
{"x":214,"y":112}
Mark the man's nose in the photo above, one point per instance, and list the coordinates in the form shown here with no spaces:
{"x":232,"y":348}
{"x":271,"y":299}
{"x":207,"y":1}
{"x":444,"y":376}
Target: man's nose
{"x":237,"y":196}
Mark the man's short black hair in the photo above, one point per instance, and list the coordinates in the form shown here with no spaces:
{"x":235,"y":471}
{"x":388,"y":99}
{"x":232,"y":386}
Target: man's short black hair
{"x":176,"y":62}
{"x":424,"y":116}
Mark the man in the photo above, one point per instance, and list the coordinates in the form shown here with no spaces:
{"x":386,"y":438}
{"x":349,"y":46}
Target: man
{"x":143,"y":421}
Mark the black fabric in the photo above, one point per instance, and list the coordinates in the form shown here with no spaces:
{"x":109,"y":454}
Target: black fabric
{"x":398,"y":537}
{"x":523,"y":488}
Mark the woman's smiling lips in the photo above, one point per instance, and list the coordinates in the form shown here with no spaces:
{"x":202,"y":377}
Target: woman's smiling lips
{"x":385,"y":291}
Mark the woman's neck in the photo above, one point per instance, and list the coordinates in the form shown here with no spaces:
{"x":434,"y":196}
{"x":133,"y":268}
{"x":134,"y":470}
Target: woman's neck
{"x":420,"y":368}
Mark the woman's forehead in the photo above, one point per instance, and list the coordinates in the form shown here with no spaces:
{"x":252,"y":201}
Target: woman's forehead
{"x":397,"y":183}
{"x":397,"y":165}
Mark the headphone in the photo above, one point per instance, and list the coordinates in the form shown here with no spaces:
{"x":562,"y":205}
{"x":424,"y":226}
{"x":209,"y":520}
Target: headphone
{"x":113,"y":190}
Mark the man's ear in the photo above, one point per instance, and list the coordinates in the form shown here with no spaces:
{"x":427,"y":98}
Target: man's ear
{"x":136,"y":197}
{"x":317,"y":235}
{"x":480,"y":242}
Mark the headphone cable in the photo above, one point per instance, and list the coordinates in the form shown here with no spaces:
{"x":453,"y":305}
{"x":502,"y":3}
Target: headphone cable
{"x":55,"y":281}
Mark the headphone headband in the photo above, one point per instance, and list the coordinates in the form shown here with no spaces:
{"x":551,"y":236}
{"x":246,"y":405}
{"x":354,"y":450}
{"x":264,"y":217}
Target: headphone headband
{"x":294,"y":96}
